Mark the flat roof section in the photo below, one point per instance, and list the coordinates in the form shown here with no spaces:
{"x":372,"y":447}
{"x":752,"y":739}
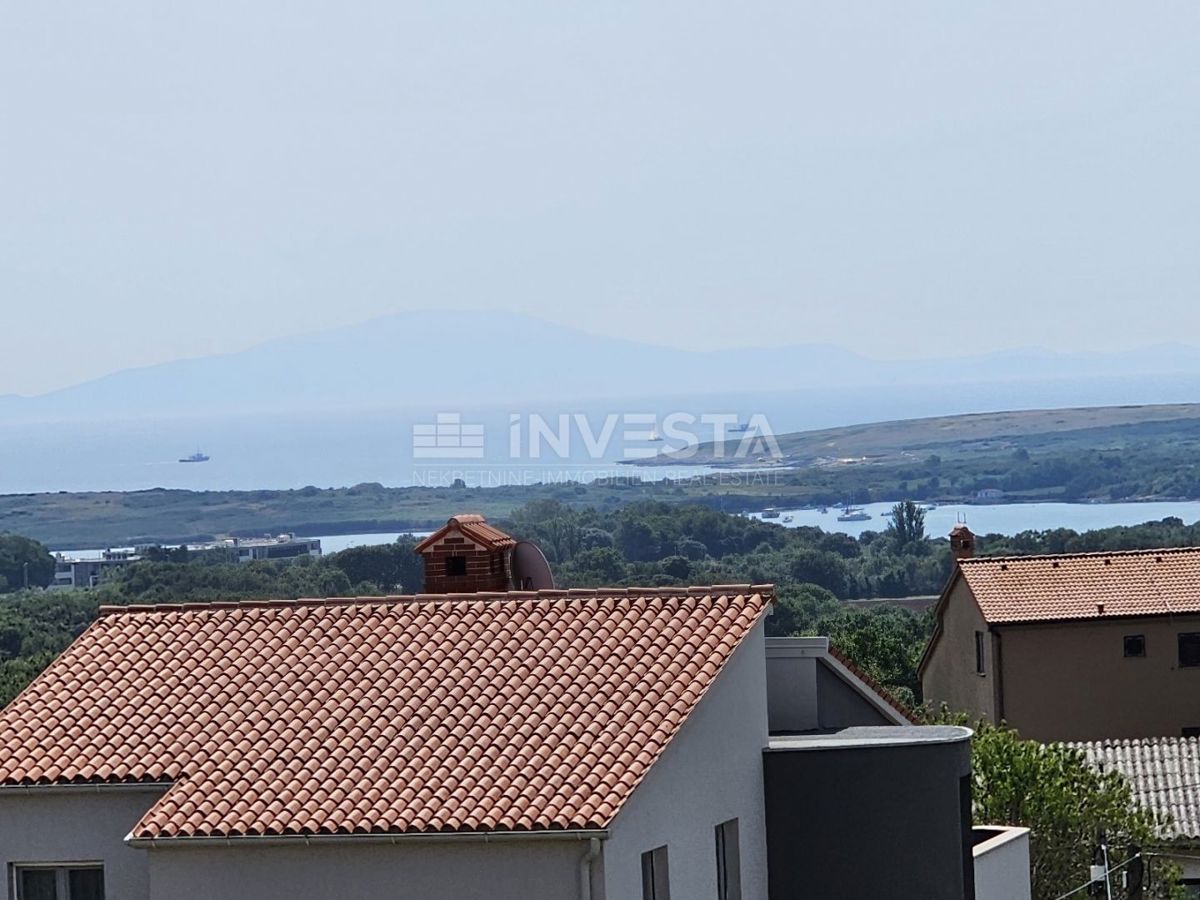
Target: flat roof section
{"x":870,"y":736}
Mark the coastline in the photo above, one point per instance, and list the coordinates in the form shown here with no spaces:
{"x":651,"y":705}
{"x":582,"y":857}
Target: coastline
{"x":115,"y":519}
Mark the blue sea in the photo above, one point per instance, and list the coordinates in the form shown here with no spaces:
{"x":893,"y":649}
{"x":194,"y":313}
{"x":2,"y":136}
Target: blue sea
{"x":342,"y":448}
{"x":1003,"y":518}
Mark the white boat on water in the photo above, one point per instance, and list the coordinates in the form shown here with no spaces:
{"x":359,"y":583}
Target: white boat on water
{"x":852,"y":514}
{"x":787,"y":518}
{"x":770,"y":513}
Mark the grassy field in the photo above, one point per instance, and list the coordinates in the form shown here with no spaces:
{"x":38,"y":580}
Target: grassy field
{"x":1110,"y":453}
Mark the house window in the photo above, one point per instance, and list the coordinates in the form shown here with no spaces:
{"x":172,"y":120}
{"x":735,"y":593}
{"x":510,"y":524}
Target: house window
{"x":980,"y":668}
{"x":655,"y":883}
{"x":1135,"y":646}
{"x":729,"y":865}
{"x":1189,"y":649}
{"x":456,"y":565}
{"x":59,"y":882}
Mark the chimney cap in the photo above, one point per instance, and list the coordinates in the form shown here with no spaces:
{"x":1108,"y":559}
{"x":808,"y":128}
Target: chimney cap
{"x":473,"y":526}
{"x":962,"y":541}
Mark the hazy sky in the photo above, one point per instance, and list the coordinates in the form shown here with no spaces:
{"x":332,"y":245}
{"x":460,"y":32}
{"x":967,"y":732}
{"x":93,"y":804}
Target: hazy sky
{"x":905,"y":179}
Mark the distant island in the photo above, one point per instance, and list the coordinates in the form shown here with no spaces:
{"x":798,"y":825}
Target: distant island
{"x":1113,"y":453}
{"x":957,"y":437}
{"x":1121,"y":453}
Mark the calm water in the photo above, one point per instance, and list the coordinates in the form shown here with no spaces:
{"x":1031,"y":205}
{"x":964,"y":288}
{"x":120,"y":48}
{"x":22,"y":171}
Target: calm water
{"x":341,"y":448}
{"x":1009,"y":518}
{"x":282,"y":452}
{"x":999,"y":519}
{"x":332,"y":543}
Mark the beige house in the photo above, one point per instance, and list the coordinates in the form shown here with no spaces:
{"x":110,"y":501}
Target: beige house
{"x":1070,"y":647}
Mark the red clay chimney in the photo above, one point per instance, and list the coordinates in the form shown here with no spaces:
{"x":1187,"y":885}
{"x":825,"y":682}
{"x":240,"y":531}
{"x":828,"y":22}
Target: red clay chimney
{"x":466,"y":555}
{"x":962,"y":541}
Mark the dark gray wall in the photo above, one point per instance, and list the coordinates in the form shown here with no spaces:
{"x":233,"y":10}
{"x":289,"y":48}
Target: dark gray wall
{"x":869,"y":822}
{"x":840,"y":706}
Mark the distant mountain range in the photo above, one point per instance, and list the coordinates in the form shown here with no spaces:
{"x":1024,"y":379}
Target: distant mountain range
{"x":442,"y":358}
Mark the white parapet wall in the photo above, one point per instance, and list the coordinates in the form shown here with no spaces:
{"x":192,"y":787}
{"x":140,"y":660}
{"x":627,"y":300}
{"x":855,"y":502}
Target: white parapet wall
{"x":1001,"y":863}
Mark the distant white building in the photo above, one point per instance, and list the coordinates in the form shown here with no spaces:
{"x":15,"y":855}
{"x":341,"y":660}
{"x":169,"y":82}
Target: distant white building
{"x":87,"y":572}
{"x":90,"y":571}
{"x":283,"y":546}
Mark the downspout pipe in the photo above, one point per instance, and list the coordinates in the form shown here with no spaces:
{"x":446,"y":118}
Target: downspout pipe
{"x":585,"y":869}
{"x":998,"y":665}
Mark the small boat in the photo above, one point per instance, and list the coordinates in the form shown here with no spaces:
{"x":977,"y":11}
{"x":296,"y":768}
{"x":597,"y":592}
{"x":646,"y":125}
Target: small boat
{"x":770,"y":513}
{"x":824,"y":510}
{"x":850,"y":514}
{"x":196,"y":457}
{"x":928,"y":506}
{"x":786,"y":519}
{"x":654,"y":436}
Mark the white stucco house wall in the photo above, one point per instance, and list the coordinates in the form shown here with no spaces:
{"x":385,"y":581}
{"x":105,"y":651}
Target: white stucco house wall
{"x":1001,"y":860}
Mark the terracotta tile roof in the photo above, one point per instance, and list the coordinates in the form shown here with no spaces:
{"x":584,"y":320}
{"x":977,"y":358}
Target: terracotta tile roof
{"x":884,"y":694}
{"x":1164,"y":773}
{"x":475,"y":527}
{"x":1085,"y":585}
{"x":474,"y":712}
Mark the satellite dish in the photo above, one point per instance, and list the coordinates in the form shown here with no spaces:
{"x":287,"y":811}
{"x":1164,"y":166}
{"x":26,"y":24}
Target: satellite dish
{"x":529,"y":568}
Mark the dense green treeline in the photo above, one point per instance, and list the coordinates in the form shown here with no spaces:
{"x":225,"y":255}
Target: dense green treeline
{"x":655,"y":543}
{"x":644,"y":544}
{"x":23,"y":563}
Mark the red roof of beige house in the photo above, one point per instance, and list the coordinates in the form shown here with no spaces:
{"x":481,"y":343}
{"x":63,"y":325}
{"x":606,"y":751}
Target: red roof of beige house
{"x":1085,"y":585}
{"x":526,"y":711}
{"x":472,"y":526}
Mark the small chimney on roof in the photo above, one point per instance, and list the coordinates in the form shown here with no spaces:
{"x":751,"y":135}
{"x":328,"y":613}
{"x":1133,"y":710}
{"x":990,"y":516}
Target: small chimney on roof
{"x":962,"y":541}
{"x":466,"y":555}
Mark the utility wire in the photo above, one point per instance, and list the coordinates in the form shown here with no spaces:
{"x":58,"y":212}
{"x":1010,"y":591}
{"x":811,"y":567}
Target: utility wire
{"x":1087,"y":884}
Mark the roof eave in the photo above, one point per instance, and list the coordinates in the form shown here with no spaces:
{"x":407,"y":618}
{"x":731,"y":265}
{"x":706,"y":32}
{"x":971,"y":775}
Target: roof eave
{"x":1095,"y":619}
{"x":262,"y":840}
{"x":86,"y":787}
